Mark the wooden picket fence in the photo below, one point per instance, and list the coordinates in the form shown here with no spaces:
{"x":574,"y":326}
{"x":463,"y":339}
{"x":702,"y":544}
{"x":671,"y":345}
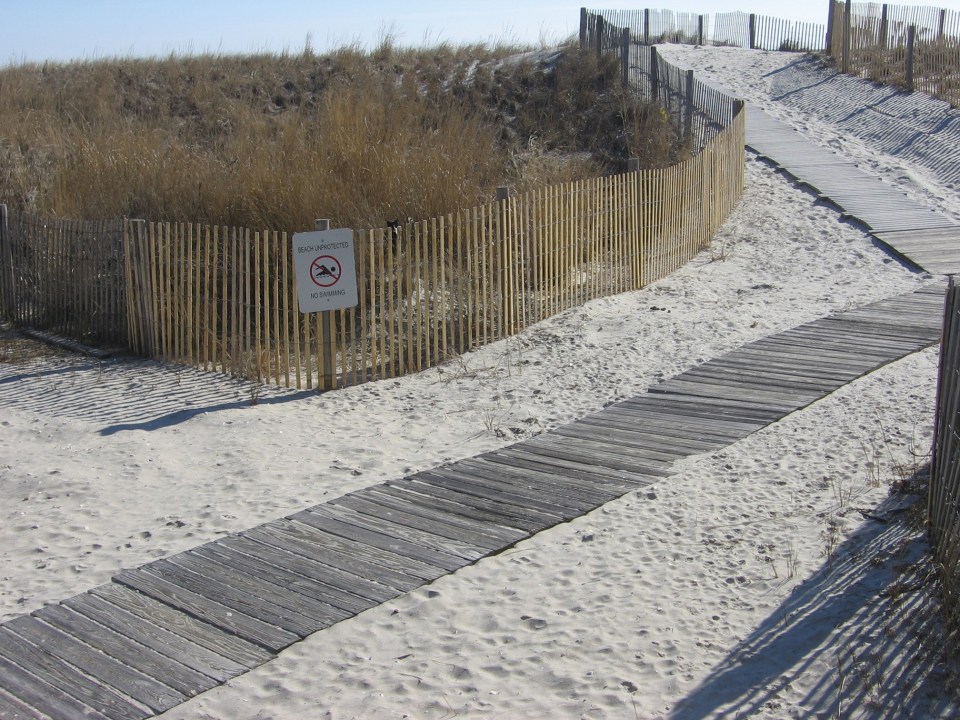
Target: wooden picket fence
{"x":696,"y":110}
{"x":224,"y":299}
{"x":917,"y":48}
{"x":64,"y":276}
{"x":943,"y":504}
{"x":748,"y":30}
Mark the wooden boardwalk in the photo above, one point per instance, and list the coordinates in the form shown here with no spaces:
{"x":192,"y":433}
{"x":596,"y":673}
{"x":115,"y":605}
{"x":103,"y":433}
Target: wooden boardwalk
{"x":921,"y":236}
{"x":161,"y":633}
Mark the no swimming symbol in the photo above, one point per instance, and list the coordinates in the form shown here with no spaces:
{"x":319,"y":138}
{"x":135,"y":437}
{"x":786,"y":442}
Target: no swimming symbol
{"x":325,"y":271}
{"x":326,"y":257}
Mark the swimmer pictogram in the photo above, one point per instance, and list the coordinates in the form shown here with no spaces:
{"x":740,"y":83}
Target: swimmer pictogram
{"x":325,"y":271}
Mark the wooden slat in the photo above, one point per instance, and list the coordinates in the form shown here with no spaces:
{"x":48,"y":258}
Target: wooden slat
{"x":132,"y":654}
{"x":669,"y":424}
{"x":540,"y":481}
{"x":322,"y":519}
{"x":309,"y":597}
{"x":397,"y":564}
{"x":138,"y":629}
{"x":539,"y":513}
{"x":236,"y":650}
{"x":654,"y":409}
{"x":445,"y":546}
{"x":341,"y":589}
{"x":646,"y":438}
{"x":257,"y":578}
{"x":541,"y":495}
{"x":581,"y":441}
{"x":532,"y":454}
{"x":242,"y":594}
{"x":56,"y":688}
{"x":270,"y":637}
{"x":108,"y":672}
{"x":432,"y":500}
{"x":484,"y":534}
{"x":302,"y":540}
{"x":13,"y":709}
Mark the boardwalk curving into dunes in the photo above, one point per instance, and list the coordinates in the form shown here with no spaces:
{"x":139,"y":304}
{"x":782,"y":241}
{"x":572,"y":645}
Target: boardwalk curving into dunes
{"x":161,"y":633}
{"x":921,"y":236}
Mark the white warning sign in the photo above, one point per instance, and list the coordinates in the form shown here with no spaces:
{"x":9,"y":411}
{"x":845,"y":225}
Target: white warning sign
{"x":325,"y":269}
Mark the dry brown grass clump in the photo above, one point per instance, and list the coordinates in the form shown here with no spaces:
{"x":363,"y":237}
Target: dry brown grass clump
{"x":275,"y":141}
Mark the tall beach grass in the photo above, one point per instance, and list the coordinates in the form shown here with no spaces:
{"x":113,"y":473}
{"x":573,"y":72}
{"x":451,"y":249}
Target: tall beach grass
{"x":275,"y":141}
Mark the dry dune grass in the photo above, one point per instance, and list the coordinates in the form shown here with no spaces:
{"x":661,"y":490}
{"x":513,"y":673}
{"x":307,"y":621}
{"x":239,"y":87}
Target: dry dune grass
{"x":275,"y":141}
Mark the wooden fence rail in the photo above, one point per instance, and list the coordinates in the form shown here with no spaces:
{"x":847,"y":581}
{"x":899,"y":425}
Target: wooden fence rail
{"x":917,"y":48}
{"x":943,"y":509}
{"x":224,"y":299}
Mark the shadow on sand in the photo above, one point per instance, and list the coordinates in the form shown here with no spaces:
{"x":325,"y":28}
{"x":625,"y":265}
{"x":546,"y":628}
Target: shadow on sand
{"x":867,"y":621}
{"x":130,"y":394}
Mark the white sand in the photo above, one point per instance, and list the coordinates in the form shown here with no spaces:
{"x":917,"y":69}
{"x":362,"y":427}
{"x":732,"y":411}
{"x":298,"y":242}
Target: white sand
{"x":707,"y":593}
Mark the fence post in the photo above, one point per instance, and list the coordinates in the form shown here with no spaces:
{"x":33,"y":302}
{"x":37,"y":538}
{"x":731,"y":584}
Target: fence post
{"x":583,"y":27}
{"x":633,"y":165}
{"x":911,"y":41}
{"x":688,"y":110}
{"x":700,"y":30}
{"x":327,"y":371}
{"x":6,"y":266}
{"x":884,"y":25}
{"x":654,"y":74}
{"x":753,"y":31}
{"x":738,"y":106}
{"x":943,"y":23}
{"x":600,"y":29}
{"x":625,"y":55}
{"x":829,"y":39}
{"x":646,"y":27}
{"x":847,"y":22}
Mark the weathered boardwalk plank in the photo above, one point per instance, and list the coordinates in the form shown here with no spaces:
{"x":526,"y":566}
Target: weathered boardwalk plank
{"x":238,"y":592}
{"x":109,"y":672}
{"x":132,"y":654}
{"x":447,"y":547}
{"x":307,"y":597}
{"x":302,"y":539}
{"x":177,"y":626}
{"x":434,"y":498}
{"x":322,"y":519}
{"x":151,"y":636}
{"x":248,"y":628}
{"x":238,"y":652}
{"x":13,"y":709}
{"x":55,"y":687}
{"x":51,"y":700}
{"x":439,"y":523}
{"x":918,"y":234}
{"x":331,"y":585}
{"x":490,"y":491}
{"x":538,"y":481}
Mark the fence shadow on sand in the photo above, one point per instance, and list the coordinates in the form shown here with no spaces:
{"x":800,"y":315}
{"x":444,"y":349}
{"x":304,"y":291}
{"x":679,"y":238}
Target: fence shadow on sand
{"x":865,"y":619}
{"x":129,"y":394}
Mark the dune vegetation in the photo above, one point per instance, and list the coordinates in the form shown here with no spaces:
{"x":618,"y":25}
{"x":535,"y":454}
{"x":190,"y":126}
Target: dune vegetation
{"x":274,"y":141}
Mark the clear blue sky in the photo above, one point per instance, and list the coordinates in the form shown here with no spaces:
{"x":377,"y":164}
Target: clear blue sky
{"x":38,"y":30}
